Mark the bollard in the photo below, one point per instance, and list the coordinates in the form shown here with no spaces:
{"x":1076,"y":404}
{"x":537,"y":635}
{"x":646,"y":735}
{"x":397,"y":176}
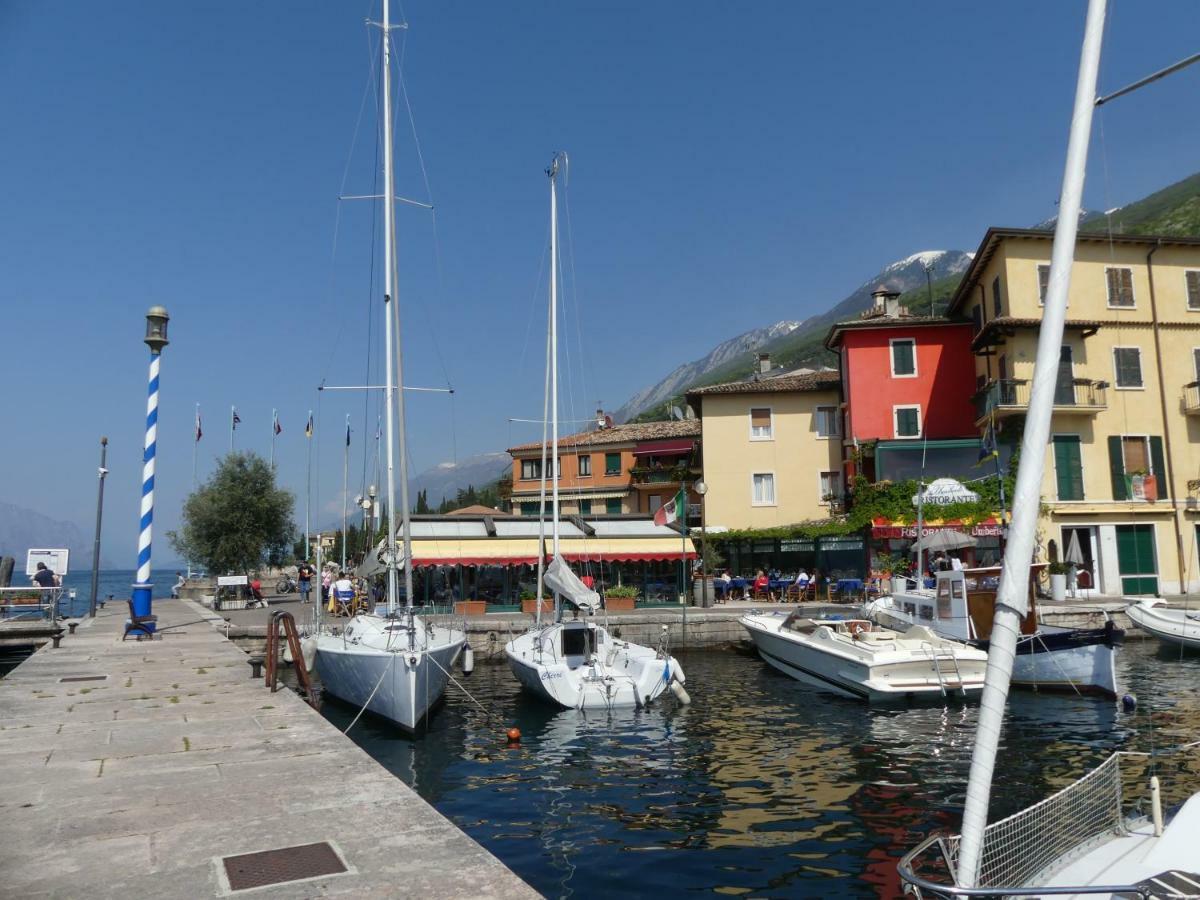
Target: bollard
{"x":72,"y":626}
{"x":256,"y":664}
{"x":56,"y":637}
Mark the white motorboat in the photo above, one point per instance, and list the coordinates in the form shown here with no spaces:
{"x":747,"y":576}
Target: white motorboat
{"x":396,"y":665}
{"x":1172,"y":626}
{"x":854,"y":658}
{"x":1048,"y":657}
{"x":578,"y":664}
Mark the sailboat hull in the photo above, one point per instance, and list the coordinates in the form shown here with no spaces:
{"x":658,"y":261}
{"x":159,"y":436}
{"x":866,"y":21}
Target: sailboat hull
{"x":367,"y":666}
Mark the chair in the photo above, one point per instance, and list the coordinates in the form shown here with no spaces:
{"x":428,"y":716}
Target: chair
{"x":143,"y":624}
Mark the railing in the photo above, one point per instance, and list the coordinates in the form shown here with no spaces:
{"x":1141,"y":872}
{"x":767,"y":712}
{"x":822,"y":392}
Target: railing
{"x":1191,"y":398}
{"x":1082,"y":394}
{"x":30,"y":603}
{"x":1021,"y":850}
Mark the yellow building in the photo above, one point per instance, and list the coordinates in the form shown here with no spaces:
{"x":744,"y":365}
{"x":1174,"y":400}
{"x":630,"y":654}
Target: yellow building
{"x":1124,"y":458}
{"x":771,"y":449}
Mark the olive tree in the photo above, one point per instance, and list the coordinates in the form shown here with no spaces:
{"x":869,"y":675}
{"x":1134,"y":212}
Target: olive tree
{"x":238,"y":519}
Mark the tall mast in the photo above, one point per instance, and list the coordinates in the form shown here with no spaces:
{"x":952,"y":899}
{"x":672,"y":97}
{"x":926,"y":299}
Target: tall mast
{"x":553,"y":173}
{"x":1012,"y":598}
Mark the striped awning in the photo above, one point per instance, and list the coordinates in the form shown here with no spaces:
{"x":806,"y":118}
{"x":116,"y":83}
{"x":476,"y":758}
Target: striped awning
{"x":524,"y":551}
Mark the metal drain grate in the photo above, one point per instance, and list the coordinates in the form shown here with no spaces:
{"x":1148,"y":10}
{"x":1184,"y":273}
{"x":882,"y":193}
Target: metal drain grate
{"x":83,"y":678}
{"x":254,"y":870}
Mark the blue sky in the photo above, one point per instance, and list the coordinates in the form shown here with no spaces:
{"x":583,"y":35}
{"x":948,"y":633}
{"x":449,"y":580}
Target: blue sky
{"x":732,"y":165}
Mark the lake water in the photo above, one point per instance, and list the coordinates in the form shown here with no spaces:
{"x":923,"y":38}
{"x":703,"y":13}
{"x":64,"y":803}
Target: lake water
{"x":117,"y":582}
{"x":761,"y":787}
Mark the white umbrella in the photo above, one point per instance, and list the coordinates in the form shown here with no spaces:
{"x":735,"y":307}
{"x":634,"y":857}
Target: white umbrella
{"x":1074,"y":553}
{"x":944,"y":539}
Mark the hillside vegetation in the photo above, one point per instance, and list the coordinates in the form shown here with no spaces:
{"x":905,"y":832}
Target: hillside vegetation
{"x":1174,"y":211}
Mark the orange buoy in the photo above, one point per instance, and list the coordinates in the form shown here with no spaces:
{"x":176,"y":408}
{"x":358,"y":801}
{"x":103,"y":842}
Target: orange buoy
{"x":514,"y":734}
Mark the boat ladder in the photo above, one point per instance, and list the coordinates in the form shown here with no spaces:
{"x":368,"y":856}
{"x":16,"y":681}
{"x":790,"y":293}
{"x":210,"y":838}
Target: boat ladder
{"x":944,"y":673}
{"x":288,"y":622}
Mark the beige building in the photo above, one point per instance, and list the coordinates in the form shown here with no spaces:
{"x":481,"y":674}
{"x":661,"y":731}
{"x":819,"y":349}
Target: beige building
{"x":1123,"y":465}
{"x":771,"y":449}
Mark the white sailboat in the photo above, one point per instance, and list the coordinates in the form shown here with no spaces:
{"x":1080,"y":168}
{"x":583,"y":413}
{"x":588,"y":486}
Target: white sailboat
{"x":578,"y":664}
{"x":1080,"y":841}
{"x":395,"y":665}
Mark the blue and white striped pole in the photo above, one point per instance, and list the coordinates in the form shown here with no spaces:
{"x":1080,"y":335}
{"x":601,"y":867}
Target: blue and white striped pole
{"x":156,"y":339}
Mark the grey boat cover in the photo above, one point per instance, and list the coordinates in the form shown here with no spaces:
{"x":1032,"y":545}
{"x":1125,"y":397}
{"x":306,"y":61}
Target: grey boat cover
{"x":560,"y":579}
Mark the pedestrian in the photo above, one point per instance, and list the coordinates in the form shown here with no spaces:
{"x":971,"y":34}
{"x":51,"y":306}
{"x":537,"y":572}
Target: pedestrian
{"x":180,"y":581}
{"x":45,"y":578}
{"x":304,"y":574}
{"x":326,"y":580}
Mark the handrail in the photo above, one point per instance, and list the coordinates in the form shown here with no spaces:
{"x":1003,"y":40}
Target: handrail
{"x":40,"y":602}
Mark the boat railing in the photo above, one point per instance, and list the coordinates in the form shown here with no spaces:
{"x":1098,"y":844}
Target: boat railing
{"x":1020,"y":850}
{"x":31,"y":603}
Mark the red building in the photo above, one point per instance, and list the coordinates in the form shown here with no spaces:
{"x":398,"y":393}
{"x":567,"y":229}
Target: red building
{"x":907,"y":385}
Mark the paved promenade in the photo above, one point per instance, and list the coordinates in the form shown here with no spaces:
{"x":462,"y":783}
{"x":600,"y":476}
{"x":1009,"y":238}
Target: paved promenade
{"x":138,"y":784}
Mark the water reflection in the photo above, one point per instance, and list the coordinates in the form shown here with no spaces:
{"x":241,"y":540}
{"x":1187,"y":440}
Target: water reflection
{"x":761,"y":787}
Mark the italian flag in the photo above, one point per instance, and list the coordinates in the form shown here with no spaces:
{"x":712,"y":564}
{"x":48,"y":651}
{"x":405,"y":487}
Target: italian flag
{"x":669,"y":512}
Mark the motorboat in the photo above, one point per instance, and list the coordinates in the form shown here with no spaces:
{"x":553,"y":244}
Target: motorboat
{"x":1171,"y":626}
{"x":856,"y":658}
{"x":961,"y":607}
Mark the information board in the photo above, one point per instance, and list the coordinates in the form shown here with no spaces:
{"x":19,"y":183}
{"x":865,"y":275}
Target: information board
{"x":55,"y":560}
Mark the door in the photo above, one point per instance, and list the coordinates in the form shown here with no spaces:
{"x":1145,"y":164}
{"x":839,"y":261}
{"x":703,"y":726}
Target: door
{"x":1064,"y":387}
{"x":1136,"y":559}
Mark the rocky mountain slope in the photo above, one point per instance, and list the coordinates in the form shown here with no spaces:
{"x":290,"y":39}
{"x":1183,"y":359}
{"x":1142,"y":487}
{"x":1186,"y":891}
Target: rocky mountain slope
{"x":22,"y":529}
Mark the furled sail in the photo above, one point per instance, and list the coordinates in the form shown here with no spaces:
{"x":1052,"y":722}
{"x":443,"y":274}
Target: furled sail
{"x":560,"y":579}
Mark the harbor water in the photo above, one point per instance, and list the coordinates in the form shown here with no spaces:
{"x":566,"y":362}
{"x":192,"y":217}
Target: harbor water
{"x":761,"y":787}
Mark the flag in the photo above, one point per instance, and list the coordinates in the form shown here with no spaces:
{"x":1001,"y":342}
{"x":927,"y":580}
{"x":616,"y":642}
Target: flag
{"x":308,"y":426}
{"x":236,"y":418}
{"x":199,"y":430}
{"x":669,"y":512}
{"x":278,"y":427}
{"x":987,"y":444}
{"x":347,"y":431}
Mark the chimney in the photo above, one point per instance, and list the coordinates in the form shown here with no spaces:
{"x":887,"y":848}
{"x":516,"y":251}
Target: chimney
{"x":602,"y":421}
{"x":887,"y":301}
{"x":764,"y":363}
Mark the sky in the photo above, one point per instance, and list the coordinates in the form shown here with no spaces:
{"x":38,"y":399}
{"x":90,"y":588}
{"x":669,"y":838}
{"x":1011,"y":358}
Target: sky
{"x":731,"y":165}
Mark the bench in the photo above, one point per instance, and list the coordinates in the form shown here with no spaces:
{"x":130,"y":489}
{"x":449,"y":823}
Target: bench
{"x":144,"y":625}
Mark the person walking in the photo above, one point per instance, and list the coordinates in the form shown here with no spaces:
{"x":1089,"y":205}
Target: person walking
{"x":304,"y":576}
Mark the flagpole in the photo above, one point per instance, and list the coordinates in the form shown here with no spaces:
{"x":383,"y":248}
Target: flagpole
{"x":195,"y":448}
{"x":345,"y":487}
{"x":274,"y":420}
{"x":232,"y":425}
{"x":308,"y":489}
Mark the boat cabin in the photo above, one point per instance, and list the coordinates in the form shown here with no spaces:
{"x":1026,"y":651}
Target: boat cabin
{"x":963,"y":604}
{"x":578,"y":643}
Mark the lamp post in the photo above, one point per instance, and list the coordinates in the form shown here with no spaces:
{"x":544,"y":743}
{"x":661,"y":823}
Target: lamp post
{"x":156,"y":339}
{"x":701,"y":488}
{"x":99,"y":518}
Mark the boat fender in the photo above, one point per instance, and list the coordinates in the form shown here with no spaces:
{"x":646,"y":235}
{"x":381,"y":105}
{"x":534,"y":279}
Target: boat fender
{"x":468,"y":659}
{"x":308,"y":650}
{"x":677,"y":671}
{"x":1129,"y":702}
{"x":680,"y":693}
{"x":514,"y":735}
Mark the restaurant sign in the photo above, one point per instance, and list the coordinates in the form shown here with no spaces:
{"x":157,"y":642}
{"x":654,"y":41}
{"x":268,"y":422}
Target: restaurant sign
{"x":943,"y":492}
{"x":911,"y":531}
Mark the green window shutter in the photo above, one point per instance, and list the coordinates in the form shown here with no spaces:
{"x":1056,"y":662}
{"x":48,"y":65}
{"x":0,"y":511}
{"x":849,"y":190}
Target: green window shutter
{"x":612,"y":507}
{"x":902,"y":358}
{"x":1068,"y":467}
{"x":1159,"y":465}
{"x":585,"y":507}
{"x":1117,"y":468}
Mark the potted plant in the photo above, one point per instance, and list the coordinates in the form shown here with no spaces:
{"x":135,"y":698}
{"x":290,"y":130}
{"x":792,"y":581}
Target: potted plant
{"x":1058,"y":579}
{"x":470,"y":607}
{"x":620,"y":598}
{"x":894,"y":568}
{"x":529,"y":603}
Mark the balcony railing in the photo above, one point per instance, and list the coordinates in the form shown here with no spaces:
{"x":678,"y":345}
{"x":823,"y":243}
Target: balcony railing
{"x":660,"y":474}
{"x":1011,"y":395}
{"x":1191,"y":398}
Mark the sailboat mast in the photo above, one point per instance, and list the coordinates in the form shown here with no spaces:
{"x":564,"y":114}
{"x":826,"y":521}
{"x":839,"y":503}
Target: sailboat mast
{"x":1012,"y":598}
{"x":388,"y":299}
{"x":553,"y":173}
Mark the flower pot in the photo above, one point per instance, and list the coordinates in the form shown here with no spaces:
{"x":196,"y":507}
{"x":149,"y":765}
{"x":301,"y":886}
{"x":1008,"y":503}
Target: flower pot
{"x":899,"y":584}
{"x":1058,"y":587}
{"x":470,"y":607}
{"x":619,"y":604}
{"x":529,"y":607}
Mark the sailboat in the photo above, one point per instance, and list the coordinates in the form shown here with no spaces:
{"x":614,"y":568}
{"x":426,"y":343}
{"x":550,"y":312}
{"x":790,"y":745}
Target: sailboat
{"x":397,"y":664}
{"x":1079,"y":841}
{"x":577,"y":663}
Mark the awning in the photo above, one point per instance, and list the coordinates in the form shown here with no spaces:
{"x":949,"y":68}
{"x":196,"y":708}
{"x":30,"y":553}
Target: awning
{"x":568,"y":496}
{"x":677,"y":445}
{"x":524,"y":551}
{"x":627,"y":549}
{"x":883,"y":528}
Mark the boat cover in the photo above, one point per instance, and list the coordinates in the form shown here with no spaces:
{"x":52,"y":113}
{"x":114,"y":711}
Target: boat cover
{"x":560,"y":579}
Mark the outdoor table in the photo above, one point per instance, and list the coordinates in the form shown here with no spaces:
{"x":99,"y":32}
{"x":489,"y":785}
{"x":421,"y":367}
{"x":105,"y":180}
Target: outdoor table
{"x":850,"y":584}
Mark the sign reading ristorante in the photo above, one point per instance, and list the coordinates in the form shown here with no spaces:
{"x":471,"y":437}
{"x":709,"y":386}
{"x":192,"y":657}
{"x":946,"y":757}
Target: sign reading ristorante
{"x":943,"y":492}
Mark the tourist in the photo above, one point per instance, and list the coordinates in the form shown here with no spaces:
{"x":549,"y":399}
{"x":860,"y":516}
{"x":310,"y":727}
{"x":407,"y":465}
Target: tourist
{"x":304,"y":575}
{"x":45,"y":577}
{"x":801,"y":578}
{"x":326,"y":581}
{"x":180,"y":581}
{"x":762,"y":585}
{"x":956,"y":564}
{"x":343,"y":590}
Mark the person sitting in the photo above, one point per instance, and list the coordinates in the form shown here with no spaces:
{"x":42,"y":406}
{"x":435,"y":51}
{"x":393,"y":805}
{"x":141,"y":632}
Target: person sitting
{"x":178,"y":585}
{"x":762,"y":586}
{"x":256,"y":594}
{"x":343,"y":591}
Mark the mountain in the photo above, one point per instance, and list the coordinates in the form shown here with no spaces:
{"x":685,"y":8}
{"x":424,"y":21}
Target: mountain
{"x":1175,"y":211}
{"x":800,"y":343}
{"x":730,"y":351}
{"x":21,"y":529}
{"x":445,"y":479}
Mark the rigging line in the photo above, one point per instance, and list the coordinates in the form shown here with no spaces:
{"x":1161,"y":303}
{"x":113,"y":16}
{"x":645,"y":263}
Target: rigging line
{"x":370,"y":318}
{"x":533,"y":301}
{"x":583,"y":369}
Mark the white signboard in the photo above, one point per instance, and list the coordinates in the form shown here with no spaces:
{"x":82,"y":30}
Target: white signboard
{"x":231,"y":580}
{"x":55,"y":560}
{"x":943,"y":492}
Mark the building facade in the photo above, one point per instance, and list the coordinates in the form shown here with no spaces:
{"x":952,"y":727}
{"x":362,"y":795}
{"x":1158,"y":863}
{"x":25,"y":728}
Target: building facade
{"x":1123,"y":466}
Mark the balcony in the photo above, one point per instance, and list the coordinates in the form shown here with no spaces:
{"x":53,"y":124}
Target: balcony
{"x":1191,"y":399}
{"x":1010,"y":397}
{"x":646,"y":476}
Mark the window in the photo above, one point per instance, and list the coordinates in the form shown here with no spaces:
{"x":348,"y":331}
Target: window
{"x":1127,"y":367}
{"x":531,"y":468}
{"x":762,"y":489}
{"x":1196,"y":362}
{"x":827,"y":420}
{"x":904,"y":358}
{"x":529,"y":509}
{"x":997,"y":298}
{"x":760,"y":424}
{"x":613,"y":506}
{"x":831,"y":486}
{"x":1131,"y":457}
{"x":977,"y":318}
{"x":612,"y":463}
{"x":585,"y":465}
{"x":655,"y":502}
{"x":1193,"y":289}
{"x":1068,"y":466}
{"x":1043,"y":281}
{"x":906,"y":421}
{"x":1120,"y":287}
{"x":585,"y":507}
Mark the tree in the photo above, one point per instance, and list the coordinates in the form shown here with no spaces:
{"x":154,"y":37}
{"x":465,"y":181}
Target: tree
{"x":237,"y":519}
{"x":422,"y":508}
